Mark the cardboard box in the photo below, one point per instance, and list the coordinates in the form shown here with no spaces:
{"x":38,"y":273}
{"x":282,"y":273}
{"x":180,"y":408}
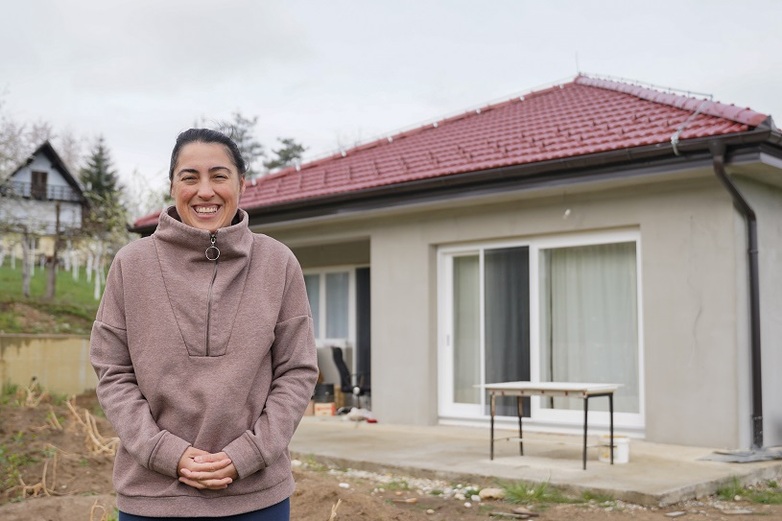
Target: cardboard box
{"x":310,"y":410}
{"x":325,"y":409}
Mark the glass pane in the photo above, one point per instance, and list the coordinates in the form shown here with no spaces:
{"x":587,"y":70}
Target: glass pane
{"x":312,"y":282}
{"x":466,"y":330}
{"x":506,"y":320}
{"x":589,"y":321}
{"x":337,"y":305}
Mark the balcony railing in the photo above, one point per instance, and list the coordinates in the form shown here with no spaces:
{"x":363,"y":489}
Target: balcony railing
{"x":39,"y":193}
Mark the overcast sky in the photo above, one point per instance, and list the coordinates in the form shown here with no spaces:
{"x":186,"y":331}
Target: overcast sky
{"x":330,"y":73}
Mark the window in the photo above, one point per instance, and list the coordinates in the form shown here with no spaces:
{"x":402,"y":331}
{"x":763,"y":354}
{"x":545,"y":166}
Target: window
{"x":329,"y":293}
{"x":589,"y":321}
{"x":38,"y":185}
{"x":559,"y":309}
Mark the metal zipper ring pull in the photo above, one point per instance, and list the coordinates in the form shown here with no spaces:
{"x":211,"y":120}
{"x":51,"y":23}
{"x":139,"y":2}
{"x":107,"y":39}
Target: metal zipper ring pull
{"x":212,"y":252}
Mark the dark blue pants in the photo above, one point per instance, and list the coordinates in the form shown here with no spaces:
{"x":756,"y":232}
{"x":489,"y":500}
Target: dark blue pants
{"x":279,"y":512}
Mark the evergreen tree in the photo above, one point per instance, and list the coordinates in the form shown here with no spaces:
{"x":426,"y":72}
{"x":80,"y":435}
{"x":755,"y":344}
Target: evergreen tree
{"x":289,"y":154}
{"x":103,"y":190}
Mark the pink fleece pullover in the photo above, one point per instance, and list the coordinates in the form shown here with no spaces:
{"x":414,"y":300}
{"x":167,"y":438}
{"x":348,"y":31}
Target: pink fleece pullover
{"x":219,"y":355}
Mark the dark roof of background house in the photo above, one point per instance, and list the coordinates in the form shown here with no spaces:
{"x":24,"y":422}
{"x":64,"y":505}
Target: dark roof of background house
{"x":51,"y":154}
{"x":582,"y":117}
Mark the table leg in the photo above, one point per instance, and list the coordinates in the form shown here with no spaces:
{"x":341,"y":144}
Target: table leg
{"x":520,"y":412}
{"x":586,"y":414}
{"x":611,"y":412}
{"x":491,"y":412}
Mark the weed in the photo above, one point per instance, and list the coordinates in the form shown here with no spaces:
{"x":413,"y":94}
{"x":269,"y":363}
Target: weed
{"x":397,"y":484}
{"x":597,"y":497}
{"x":9,"y":393}
{"x":730,"y":491}
{"x":9,"y":476}
{"x":768,"y":493}
{"x":522,"y":492}
{"x":470,"y":492}
{"x":313,"y":464}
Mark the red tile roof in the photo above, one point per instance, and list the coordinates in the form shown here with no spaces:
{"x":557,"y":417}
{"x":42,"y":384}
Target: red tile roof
{"x":582,"y":117}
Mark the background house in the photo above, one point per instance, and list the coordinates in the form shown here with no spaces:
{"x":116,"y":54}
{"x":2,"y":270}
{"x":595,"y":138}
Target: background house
{"x":37,"y":195}
{"x":592,"y":231}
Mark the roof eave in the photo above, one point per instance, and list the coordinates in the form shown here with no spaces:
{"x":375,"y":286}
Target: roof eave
{"x":557,"y":171}
{"x":617,"y":163}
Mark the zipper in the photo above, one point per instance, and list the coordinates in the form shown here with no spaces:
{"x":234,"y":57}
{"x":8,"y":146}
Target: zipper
{"x":212,"y":253}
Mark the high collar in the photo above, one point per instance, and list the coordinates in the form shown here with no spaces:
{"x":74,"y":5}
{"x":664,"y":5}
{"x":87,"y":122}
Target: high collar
{"x":233,"y":241}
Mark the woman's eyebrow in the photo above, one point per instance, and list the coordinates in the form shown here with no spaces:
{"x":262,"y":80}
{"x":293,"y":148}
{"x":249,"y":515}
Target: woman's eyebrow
{"x":190,"y":170}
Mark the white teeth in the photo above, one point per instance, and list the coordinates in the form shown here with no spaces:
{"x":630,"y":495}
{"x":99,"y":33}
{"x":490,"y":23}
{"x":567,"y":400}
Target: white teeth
{"x":206,"y":209}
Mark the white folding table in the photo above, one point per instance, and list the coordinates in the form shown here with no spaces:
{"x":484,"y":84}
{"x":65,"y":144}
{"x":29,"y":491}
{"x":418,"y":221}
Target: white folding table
{"x":520,"y":390}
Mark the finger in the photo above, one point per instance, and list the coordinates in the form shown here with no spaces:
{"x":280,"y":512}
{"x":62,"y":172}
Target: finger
{"x":211,"y":484}
{"x":207,"y":475}
{"x":217,"y":456}
{"x":192,"y":483}
{"x":210,"y":466}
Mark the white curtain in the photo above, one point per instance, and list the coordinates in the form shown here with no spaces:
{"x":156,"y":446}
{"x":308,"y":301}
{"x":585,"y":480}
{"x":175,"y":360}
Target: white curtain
{"x":337,"y":298}
{"x":466,"y":330}
{"x":589,"y":321}
{"x":312,"y":282}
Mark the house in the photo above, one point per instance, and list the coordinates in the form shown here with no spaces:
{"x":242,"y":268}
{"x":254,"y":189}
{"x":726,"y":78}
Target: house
{"x":36,"y":198}
{"x":593,"y":231}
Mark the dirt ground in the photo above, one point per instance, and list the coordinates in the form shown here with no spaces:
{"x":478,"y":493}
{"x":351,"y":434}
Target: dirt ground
{"x":56,"y":462}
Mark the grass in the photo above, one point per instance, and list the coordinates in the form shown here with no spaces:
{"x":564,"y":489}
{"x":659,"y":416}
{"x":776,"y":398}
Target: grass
{"x":71,"y":311}
{"x":521,"y":492}
{"x":768,"y":493}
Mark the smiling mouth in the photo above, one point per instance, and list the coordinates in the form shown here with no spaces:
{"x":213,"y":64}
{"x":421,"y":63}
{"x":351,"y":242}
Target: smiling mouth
{"x":206,"y":210}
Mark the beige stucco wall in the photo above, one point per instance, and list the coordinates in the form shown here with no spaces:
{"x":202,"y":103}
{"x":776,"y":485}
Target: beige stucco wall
{"x":60,"y":364}
{"x":767,"y":203}
{"x":693,"y":279}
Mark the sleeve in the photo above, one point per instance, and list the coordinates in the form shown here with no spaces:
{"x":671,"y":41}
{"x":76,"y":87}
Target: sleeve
{"x":118,"y":391}
{"x":295,"y":373}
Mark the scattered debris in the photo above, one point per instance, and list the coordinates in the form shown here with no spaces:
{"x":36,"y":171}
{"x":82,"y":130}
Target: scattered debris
{"x":525,"y":512}
{"x":492,"y":493}
{"x":678,"y":513}
{"x":334,"y":508}
{"x":737,"y":511}
{"x":410,"y":500}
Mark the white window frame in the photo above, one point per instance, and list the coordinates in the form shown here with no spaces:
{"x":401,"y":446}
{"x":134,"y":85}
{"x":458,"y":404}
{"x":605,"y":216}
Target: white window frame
{"x":321,"y":340}
{"x":557,"y":418}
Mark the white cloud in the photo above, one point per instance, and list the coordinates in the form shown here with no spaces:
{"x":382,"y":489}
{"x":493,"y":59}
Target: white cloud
{"x":329,"y":73}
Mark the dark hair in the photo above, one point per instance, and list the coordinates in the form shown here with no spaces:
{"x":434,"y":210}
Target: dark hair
{"x":205,"y":135}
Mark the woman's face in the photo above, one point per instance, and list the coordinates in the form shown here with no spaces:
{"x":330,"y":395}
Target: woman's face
{"x":206,"y":186}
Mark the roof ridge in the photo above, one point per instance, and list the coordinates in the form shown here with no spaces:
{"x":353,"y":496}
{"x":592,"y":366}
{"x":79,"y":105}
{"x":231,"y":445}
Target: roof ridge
{"x":415,"y":128}
{"x":717,"y":109}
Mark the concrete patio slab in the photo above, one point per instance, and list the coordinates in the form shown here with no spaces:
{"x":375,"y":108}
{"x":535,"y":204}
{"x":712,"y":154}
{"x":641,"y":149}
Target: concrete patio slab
{"x":654,"y":475}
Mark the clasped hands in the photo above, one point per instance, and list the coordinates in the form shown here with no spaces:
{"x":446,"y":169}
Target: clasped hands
{"x":204,"y":470}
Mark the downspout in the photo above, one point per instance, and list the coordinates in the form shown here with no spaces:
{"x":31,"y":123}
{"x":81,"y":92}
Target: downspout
{"x":718,"y":154}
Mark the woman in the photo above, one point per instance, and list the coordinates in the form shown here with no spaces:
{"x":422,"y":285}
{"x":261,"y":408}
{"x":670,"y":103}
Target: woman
{"x":204,"y":350}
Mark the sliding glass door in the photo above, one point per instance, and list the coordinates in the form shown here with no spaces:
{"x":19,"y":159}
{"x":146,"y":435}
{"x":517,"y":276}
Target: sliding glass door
{"x":562,"y":309}
{"x":487,"y":332}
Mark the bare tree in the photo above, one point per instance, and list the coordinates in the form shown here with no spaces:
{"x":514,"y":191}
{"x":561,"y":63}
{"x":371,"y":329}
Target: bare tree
{"x":242,"y":130}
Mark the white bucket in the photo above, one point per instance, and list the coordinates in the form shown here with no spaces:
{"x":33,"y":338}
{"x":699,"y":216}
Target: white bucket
{"x":621,"y":449}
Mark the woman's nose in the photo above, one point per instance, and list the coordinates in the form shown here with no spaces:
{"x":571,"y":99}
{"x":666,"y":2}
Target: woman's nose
{"x":205,"y":190}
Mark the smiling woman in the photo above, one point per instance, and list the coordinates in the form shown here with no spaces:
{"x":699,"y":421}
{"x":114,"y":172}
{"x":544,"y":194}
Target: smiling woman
{"x":203,"y":379}
{"x":207,"y":180}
